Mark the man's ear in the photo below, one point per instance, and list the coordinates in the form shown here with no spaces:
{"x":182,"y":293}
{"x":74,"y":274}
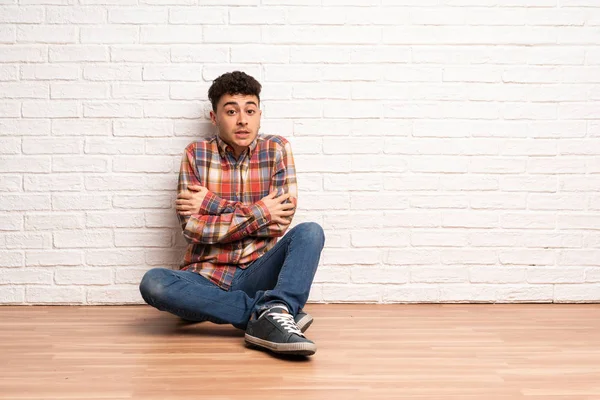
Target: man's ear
{"x":213,"y":117}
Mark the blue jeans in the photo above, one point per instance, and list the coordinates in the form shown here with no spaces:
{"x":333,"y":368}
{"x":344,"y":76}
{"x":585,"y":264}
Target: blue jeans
{"x":282,"y":275}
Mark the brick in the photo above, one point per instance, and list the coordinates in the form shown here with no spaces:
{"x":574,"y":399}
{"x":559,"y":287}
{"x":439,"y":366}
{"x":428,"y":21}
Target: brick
{"x":112,"y":257}
{"x":173,"y":34}
{"x":137,"y":16}
{"x":7,"y":34}
{"x":351,"y":293}
{"x":360,"y":201}
{"x":109,"y":34}
{"x":199,"y":54}
{"x":379,"y":238}
{"x":411,"y":257}
{"x":46,"y":34}
{"x":75,"y":15}
{"x":28,"y":240}
{"x":51,"y":146}
{"x":256,"y":16}
{"x":49,"y":258}
{"x":411,"y":294}
{"x":54,"y":295}
{"x":114,"y":145}
{"x":18,"y":202}
{"x":112,"y":73}
{"x":11,"y":183}
{"x":561,"y":165}
{"x":555,"y":275}
{"x":382,"y":275}
{"x":80,"y":202}
{"x":528,"y":184}
{"x":469,"y":219}
{"x":143,"y":238}
{"x":526,"y":294}
{"x":332,"y":275}
{"x":417,"y":182}
{"x":142,"y":164}
{"x":300,"y":73}
{"x":12,"y":295}
{"x":164,"y":257}
{"x":198,"y":16}
{"x":146,"y":91}
{"x":81,"y":276}
{"x":580,"y":257}
{"x":129,"y":275}
{"x":438,"y":201}
{"x":438,"y":275}
{"x":172,"y":109}
{"x":528,"y":220}
{"x":316,"y":35}
{"x":462,"y":256}
{"x":50,"y":109}
{"x":456,"y":293}
{"x":496,"y":274}
{"x":10,"y":146}
{"x":21,"y":15}
{"x":11,"y":258}
{"x":79,"y":91}
{"x":122,"y":182}
{"x":114,"y":220}
{"x":23,"y":53}
{"x":79,"y":164}
{"x":577,"y":293}
{"x":112,"y":109}
{"x":69,"y":127}
{"x":11,"y":222}
{"x":22,"y":276}
{"x":142,"y":201}
{"x":173,"y":73}
{"x":55,"y":220}
{"x":527,"y":257}
{"x":146,"y":54}
{"x":381,"y":163}
{"x":83,"y":239}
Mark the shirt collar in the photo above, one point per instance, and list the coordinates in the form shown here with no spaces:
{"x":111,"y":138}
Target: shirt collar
{"x":224,"y":148}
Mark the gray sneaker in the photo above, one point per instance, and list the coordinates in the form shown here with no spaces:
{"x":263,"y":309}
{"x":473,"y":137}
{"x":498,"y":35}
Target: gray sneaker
{"x":303,"y":320}
{"x":276,"y":330}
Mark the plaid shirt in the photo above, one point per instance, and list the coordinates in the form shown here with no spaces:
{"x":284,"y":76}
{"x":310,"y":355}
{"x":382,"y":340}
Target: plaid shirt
{"x":233,"y":227}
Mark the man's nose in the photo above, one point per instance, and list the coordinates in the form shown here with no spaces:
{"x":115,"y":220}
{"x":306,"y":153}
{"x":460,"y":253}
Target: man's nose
{"x":242,"y":119}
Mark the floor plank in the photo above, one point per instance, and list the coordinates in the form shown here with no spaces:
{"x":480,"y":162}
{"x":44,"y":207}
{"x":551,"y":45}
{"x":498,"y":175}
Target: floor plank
{"x":427,"y":351}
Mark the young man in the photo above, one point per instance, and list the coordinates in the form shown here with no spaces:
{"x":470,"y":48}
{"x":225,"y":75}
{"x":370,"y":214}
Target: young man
{"x":237,"y":194}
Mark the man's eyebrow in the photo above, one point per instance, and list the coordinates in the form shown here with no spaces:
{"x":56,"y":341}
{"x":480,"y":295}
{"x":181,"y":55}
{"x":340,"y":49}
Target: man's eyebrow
{"x":234,"y":103}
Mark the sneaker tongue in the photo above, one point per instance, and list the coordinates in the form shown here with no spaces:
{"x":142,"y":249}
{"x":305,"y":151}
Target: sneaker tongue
{"x":281,"y":309}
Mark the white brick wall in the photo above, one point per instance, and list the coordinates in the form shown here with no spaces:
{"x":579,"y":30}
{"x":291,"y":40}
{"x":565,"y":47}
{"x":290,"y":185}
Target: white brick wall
{"x":449,"y":148}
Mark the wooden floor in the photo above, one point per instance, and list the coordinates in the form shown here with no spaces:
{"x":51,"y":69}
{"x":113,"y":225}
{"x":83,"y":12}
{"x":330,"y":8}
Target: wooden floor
{"x":482,"y":352}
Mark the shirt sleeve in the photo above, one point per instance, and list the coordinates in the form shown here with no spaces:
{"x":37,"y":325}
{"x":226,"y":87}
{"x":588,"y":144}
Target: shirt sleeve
{"x":218,"y":221}
{"x":283,"y":181}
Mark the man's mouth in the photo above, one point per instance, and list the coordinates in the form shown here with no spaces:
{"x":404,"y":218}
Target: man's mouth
{"x":241,"y":132}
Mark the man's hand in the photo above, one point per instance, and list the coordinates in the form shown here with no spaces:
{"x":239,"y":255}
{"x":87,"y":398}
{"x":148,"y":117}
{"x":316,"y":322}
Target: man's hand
{"x":280,"y":211}
{"x":189,"y":203}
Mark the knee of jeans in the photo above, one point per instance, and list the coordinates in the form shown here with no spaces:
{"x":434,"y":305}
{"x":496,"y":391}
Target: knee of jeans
{"x":313,"y":231}
{"x":152,"y":285}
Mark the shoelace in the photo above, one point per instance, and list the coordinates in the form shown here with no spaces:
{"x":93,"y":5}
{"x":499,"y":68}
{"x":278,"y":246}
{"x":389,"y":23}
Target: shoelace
{"x":287,"y":322}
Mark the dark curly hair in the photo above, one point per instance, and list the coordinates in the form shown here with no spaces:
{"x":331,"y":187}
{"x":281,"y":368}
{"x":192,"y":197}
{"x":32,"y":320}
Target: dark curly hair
{"x":236,"y":82}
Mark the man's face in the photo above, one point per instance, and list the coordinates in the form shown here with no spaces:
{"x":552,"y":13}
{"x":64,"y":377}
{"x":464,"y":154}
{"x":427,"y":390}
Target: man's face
{"x":238,"y":120}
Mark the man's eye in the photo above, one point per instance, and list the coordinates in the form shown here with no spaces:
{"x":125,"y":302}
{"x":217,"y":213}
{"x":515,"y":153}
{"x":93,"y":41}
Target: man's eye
{"x":251,"y":112}
{"x":230,"y":112}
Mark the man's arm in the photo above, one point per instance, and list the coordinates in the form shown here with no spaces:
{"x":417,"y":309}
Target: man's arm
{"x":282,"y":181}
{"x":218,"y":220}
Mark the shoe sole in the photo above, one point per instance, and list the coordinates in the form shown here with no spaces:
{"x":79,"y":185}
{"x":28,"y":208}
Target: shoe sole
{"x":304,"y":323}
{"x":300,"y":349}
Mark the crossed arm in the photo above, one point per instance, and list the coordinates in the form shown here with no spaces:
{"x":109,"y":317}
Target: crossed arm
{"x":221,"y":221}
